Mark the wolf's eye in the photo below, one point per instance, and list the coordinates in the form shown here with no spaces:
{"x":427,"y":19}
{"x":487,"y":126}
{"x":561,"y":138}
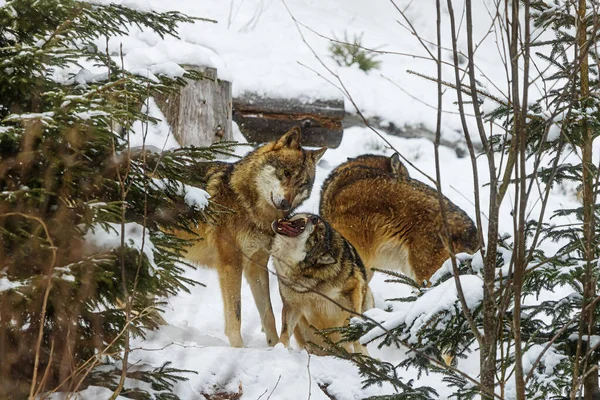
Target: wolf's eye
{"x":287,"y":173}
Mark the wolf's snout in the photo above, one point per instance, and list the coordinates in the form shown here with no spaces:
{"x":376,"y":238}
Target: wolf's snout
{"x":284,"y":205}
{"x":280,"y":203}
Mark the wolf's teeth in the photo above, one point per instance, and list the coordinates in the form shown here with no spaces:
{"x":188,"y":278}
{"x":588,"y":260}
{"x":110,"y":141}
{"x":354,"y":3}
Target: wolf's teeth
{"x":278,"y":228}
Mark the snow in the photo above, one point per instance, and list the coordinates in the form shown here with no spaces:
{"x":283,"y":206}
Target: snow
{"x":44,"y":117}
{"x":550,"y":359}
{"x":84,"y":76}
{"x":593,"y":339}
{"x":441,"y":298}
{"x":447,"y":268}
{"x":90,"y":393}
{"x":194,"y":340}
{"x":553,"y":132}
{"x":7,"y":284}
{"x":258,"y":46}
{"x":136,"y":237}
{"x":196,"y":197}
{"x":283,"y":374}
{"x":85,"y":115}
{"x":193,"y":196}
{"x":146,"y":133}
{"x":164,"y":57}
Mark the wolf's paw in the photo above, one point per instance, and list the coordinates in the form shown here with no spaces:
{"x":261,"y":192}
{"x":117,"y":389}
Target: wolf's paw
{"x":280,"y":348}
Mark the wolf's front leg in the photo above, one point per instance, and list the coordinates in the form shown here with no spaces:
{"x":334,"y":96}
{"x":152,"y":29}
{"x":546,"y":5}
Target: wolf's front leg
{"x":257,"y":276}
{"x":289,"y":320}
{"x":230,"y":280}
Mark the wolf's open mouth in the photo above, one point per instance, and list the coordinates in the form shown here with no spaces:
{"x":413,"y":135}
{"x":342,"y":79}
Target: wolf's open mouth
{"x":289,"y":228}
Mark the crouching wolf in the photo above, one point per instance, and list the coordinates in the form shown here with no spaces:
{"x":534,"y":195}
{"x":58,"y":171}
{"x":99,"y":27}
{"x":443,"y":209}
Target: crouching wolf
{"x":312,"y":260}
{"x":265,"y":185}
{"x":393,"y":221}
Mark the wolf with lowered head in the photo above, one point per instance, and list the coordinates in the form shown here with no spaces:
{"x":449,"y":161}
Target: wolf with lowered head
{"x":393,"y":221}
{"x":322,"y":280}
{"x":265,"y":185}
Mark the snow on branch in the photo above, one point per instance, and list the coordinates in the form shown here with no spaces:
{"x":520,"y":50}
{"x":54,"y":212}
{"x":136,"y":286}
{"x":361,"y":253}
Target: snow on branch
{"x":136,"y":237}
{"x":440,"y":299}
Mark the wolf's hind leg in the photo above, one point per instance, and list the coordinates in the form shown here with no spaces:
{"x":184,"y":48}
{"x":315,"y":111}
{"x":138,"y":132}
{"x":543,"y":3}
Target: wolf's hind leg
{"x":257,"y":276}
{"x":300,"y":339}
{"x":368,"y":300}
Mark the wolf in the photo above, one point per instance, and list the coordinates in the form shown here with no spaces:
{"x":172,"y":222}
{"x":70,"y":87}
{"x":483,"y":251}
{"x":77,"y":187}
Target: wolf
{"x":312,"y":261}
{"x":392,"y":220}
{"x":392,"y":165}
{"x":267,"y":184}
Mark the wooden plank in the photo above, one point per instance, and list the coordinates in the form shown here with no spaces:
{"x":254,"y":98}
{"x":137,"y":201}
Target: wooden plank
{"x":265,"y":119}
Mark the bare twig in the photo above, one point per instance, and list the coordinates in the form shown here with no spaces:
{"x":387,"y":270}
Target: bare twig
{"x":274,"y":387}
{"x":309,"y":377}
{"x":126,"y":295}
{"x":438,"y":176}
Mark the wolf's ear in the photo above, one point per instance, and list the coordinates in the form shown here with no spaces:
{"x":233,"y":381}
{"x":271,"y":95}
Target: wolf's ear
{"x":396,"y":165}
{"x":326,"y":259}
{"x":317,"y":154}
{"x":291,"y":139}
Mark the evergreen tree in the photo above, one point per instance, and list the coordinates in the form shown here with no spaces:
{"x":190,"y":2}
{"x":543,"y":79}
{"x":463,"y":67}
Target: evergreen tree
{"x":86,"y":249}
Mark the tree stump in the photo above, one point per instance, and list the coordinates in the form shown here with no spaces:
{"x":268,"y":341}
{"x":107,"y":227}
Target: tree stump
{"x":200,"y":113}
{"x":262,"y":119}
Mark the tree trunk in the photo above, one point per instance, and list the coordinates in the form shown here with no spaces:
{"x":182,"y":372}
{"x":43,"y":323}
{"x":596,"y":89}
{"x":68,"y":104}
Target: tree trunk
{"x":590,"y":383}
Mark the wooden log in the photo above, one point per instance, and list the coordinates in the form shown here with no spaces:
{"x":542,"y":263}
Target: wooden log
{"x":262,"y":119}
{"x":200,"y":113}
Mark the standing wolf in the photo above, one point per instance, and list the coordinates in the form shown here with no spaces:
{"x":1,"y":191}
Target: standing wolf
{"x":312,"y":260}
{"x":265,"y":185}
{"x":393,"y":221}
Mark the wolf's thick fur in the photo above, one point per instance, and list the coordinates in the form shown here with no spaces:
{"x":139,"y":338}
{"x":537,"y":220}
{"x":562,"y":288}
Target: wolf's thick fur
{"x":317,"y":260}
{"x":392,"y":165}
{"x":393,"y":221}
{"x":265,"y":185}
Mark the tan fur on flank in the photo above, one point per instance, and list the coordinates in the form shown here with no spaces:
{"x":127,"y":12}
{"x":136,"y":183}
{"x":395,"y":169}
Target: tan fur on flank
{"x":393,"y":221}
{"x":265,"y":185}
{"x":318,"y":261}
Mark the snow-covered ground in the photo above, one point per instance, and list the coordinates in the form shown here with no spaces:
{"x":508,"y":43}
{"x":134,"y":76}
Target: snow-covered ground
{"x":257,"y":45}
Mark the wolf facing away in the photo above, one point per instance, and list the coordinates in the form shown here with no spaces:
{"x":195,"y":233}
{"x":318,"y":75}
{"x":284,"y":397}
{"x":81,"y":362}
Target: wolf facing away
{"x":265,"y":185}
{"x":393,"y":221}
{"x":312,"y":260}
{"x":392,"y":165}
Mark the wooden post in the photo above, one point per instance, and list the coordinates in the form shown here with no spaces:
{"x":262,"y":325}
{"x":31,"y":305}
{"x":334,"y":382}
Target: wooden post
{"x":200,"y":113}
